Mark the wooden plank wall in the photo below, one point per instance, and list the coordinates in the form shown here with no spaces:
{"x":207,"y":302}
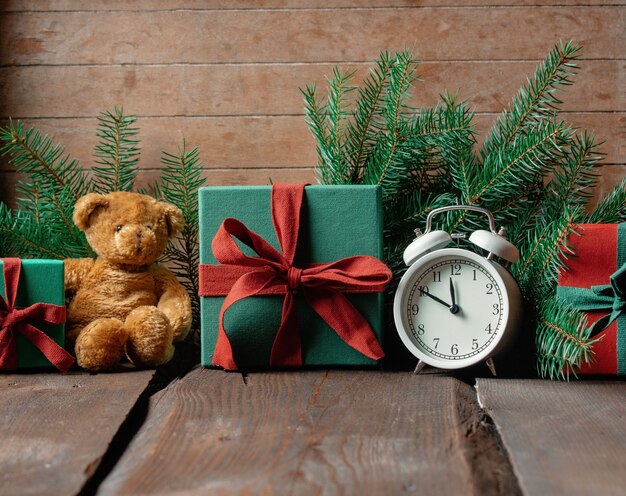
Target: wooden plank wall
{"x":225,"y":74}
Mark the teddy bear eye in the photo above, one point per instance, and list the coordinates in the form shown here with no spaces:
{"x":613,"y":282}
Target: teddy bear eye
{"x":119,"y":228}
{"x":149,"y":227}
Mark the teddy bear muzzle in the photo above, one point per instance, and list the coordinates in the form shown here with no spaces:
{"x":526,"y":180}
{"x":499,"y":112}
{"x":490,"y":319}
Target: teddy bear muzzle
{"x":136,"y":243}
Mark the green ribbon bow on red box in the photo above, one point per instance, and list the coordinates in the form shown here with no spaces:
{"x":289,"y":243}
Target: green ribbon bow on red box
{"x":609,"y":297}
{"x":22,"y":321}
{"x":239,"y":276}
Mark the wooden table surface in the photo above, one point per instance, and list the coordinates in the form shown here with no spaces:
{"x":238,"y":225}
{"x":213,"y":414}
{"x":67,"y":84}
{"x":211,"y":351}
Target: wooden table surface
{"x":309,"y":432}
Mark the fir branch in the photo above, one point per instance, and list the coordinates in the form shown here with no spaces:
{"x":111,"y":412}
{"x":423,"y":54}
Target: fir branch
{"x":520,"y":163}
{"x":562,"y":339}
{"x":612,"y":207}
{"x":573,"y":180}
{"x":56,"y":210}
{"x":544,"y":255}
{"x":315,"y":108}
{"x":29,"y":198}
{"x":180,"y":181}
{"x":364,"y":131}
{"x":384,"y":168}
{"x":537,"y":100}
{"x":337,"y":108}
{"x":22,"y":236}
{"x":117,"y":152}
{"x":44,"y":162}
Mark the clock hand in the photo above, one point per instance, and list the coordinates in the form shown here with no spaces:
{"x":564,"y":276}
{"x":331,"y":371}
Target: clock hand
{"x":433,"y":297}
{"x":454,"y":308}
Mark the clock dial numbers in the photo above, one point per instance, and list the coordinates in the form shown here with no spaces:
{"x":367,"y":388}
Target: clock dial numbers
{"x":473,"y":317}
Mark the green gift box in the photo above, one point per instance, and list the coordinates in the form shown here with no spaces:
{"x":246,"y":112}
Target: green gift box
{"x":336,"y":222}
{"x":39,"y":282}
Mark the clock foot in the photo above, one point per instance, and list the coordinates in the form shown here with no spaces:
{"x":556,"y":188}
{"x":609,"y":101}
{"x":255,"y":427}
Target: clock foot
{"x":419,"y":367}
{"x":491,"y":365}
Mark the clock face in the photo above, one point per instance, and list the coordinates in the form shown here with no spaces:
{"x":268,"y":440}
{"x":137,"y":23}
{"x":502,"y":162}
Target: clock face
{"x":451,"y":308}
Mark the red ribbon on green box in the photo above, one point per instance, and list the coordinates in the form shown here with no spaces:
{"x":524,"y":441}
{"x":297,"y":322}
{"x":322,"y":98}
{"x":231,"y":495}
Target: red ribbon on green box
{"x":595,"y":282}
{"x":22,"y":321}
{"x":239,"y":276}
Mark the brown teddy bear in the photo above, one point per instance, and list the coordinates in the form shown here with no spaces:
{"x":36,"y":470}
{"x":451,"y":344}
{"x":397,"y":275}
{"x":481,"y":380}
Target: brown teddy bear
{"x":122,"y":302}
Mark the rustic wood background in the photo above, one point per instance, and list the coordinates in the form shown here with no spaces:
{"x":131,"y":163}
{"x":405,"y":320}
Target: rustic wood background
{"x":226,"y":74}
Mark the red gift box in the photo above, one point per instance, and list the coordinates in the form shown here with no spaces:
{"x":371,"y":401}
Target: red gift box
{"x":598,"y":269}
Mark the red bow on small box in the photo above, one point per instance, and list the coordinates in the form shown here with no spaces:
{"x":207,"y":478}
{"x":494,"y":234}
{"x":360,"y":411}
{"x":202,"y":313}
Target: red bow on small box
{"x":19,"y":320}
{"x":272,"y":273}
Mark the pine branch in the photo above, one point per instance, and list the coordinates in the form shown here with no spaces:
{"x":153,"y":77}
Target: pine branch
{"x":22,"y":236}
{"x":612,"y":207}
{"x":513,"y":168}
{"x":364,"y":131}
{"x":44,"y":162}
{"x":180,"y":181}
{"x":117,"y":152}
{"x":537,"y":100}
{"x":562,"y":339}
{"x":315,"y":108}
{"x":574,"y":179}
{"x":55,"y":211}
{"x":543,"y":256}
{"x":339,"y":90}
{"x":384,"y":166}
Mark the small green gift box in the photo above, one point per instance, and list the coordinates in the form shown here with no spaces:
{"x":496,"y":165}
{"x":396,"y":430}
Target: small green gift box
{"x":290,"y":276}
{"x":32,"y":315}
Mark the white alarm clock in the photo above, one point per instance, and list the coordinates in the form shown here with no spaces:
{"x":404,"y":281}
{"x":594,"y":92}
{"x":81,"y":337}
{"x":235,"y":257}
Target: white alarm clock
{"x":453,"y":307}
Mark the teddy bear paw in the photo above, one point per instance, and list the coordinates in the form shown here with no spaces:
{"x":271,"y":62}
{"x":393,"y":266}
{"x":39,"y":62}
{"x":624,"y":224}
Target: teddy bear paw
{"x":150,"y":337}
{"x":100,"y":345}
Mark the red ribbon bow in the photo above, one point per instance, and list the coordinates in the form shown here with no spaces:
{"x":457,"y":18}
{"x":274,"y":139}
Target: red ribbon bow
{"x":18,"y":320}
{"x":273,"y":273}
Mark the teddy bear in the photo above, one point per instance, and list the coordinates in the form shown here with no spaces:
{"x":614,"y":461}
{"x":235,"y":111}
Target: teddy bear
{"x":122,"y":302}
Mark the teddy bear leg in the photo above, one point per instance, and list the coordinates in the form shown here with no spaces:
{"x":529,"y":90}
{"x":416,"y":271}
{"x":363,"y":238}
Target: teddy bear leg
{"x":150,"y":337}
{"x":99,"y":345}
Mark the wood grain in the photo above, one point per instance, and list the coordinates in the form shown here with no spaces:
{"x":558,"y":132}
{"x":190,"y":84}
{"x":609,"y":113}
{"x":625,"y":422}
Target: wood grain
{"x":268,"y":141}
{"x":300,"y":433}
{"x":56,"y":428}
{"x":250,"y":89}
{"x":156,"y":5}
{"x":311,"y":35}
{"x":561,"y":438}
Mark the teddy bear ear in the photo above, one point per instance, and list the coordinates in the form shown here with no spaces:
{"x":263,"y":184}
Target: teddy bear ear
{"x":86,"y":206}
{"x":173,"y":217}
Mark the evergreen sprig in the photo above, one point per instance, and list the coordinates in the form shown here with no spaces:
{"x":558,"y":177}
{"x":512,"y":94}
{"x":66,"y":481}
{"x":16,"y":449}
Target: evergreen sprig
{"x":55,"y":182}
{"x":537,"y":100}
{"x":562,"y":339}
{"x":37,"y":156}
{"x":611,"y":208}
{"x":534,"y":172}
{"x":179,"y":183}
{"x":117,"y":152}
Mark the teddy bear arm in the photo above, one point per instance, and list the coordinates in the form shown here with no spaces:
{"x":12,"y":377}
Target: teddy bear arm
{"x":76,"y":269}
{"x":174,"y":302}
